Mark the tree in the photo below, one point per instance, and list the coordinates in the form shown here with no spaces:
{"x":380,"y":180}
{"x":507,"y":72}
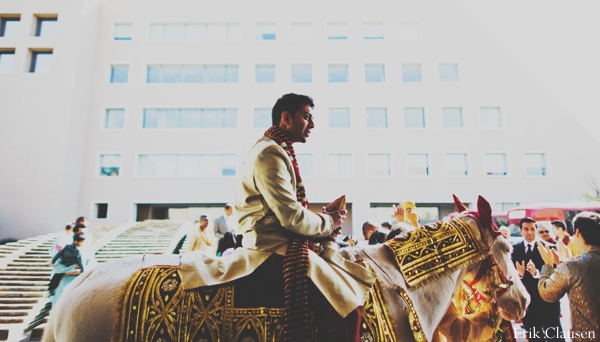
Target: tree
{"x":595,"y":195}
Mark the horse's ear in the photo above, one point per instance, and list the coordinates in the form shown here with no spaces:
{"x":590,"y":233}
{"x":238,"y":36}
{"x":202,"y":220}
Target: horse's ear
{"x":458,"y":205}
{"x":484,"y":211}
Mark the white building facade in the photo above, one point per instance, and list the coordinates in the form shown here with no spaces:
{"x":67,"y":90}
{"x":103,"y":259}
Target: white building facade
{"x":126,"y":110}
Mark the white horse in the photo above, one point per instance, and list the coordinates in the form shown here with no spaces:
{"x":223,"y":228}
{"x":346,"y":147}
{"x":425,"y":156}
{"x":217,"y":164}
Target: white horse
{"x":88,"y":310}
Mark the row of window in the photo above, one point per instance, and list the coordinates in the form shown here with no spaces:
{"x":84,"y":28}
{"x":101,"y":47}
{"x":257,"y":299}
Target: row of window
{"x":45,"y":25}
{"x":300,"y":73}
{"x":209,"y":118}
{"x":338,"y":165}
{"x":40,"y":61}
{"x":200,"y":32}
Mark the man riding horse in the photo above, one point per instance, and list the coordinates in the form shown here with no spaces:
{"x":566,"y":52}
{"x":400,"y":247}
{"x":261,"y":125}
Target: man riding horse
{"x":275,"y":221}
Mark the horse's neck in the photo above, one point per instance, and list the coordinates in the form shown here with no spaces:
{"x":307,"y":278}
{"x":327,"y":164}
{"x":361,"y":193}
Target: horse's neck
{"x":429,"y":302}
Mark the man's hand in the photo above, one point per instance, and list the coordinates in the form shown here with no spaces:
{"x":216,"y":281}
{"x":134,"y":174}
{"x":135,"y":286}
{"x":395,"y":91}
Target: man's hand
{"x":563,"y":251}
{"x":337,"y":216}
{"x":531,"y":268}
{"x":399,"y":212}
{"x":546,"y":254}
{"x":520,"y":268}
{"x":413,"y":218}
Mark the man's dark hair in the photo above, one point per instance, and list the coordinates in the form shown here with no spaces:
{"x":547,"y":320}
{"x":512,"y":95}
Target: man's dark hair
{"x":78,"y":227}
{"x":377,"y":237}
{"x":525,"y":220}
{"x":227,"y":206}
{"x":69,"y":226}
{"x":80,"y":220}
{"x":588,"y":224}
{"x":290,"y":103}
{"x":387,"y":225}
{"x":366,"y":225}
{"x":559,"y":224}
{"x":79,"y":237}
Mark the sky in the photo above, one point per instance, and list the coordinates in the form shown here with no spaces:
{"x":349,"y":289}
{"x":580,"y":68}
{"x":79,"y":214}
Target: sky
{"x":557,"y":42}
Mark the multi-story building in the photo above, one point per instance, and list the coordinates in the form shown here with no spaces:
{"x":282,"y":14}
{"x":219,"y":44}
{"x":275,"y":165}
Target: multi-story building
{"x":125,"y":110}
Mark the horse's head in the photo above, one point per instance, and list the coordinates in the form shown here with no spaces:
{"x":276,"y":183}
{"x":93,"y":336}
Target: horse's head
{"x":495,"y":277}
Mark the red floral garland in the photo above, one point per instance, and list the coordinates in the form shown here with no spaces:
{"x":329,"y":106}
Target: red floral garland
{"x":276,"y":134}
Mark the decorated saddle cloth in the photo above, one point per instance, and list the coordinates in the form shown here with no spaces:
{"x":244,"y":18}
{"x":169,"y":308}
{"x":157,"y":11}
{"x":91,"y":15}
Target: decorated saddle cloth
{"x":436,"y":250}
{"x":155,"y":308}
{"x":343,"y":283}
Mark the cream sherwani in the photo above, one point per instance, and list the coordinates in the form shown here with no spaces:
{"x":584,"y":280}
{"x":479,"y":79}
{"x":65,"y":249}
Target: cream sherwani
{"x":268,"y":216}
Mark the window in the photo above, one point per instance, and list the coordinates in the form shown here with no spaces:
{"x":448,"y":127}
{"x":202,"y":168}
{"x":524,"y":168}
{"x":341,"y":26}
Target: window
{"x":192,"y":74}
{"x":411,"y":73}
{"x":265,"y":74}
{"x":114,"y":118}
{"x":46,"y":27}
{"x":374,"y":73}
{"x":195,"y":32}
{"x":186,"y":165}
{"x":456,"y":164}
{"x":41,"y":62}
{"x":448,"y":72}
{"x":100,"y":210}
{"x":7,"y":61}
{"x":119,"y":73}
{"x":490,"y":117}
{"x":338,"y":73}
{"x":339,"y":165}
{"x":377,"y":117}
{"x":123,"y":31}
{"x":265,"y":31}
{"x":262,"y":118}
{"x":535,"y":164}
{"x":409,"y":31}
{"x":378,"y":165}
{"x":339,"y":117}
{"x":495,"y":164}
{"x":9,"y":26}
{"x":110,"y":165}
{"x":452,"y":117}
{"x":306,"y":165}
{"x":337,"y":31}
{"x":190,"y":118}
{"x":414,"y":117}
{"x":417,"y":164}
{"x":301,"y":31}
{"x":373,"y":30}
{"x":302,"y":73}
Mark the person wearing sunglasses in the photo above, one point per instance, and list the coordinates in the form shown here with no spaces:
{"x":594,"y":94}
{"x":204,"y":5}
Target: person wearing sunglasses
{"x":544,"y":234}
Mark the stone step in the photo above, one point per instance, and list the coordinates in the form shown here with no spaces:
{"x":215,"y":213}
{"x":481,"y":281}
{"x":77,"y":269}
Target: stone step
{"x":32,"y":261}
{"x":21,"y":295}
{"x":27,"y":278}
{"x":11,"y":321}
{"x":24,"y":289}
{"x":23,"y":283}
{"x":16,"y":273}
{"x":9,"y":301}
{"x":12,"y":314}
{"x":15,"y":307}
{"x":17,"y":265}
{"x":35,"y":256}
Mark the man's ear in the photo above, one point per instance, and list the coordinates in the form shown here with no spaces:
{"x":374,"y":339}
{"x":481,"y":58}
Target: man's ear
{"x":286,"y":118}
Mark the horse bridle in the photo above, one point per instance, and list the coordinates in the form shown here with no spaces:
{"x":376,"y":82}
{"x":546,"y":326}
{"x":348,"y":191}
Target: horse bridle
{"x":498,"y":283}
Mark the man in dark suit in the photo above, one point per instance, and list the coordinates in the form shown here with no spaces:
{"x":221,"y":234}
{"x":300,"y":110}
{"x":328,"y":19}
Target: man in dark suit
{"x":540,"y":317}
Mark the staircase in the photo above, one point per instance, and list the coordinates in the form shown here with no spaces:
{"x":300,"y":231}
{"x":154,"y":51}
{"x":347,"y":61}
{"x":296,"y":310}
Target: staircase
{"x":25,"y":270}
